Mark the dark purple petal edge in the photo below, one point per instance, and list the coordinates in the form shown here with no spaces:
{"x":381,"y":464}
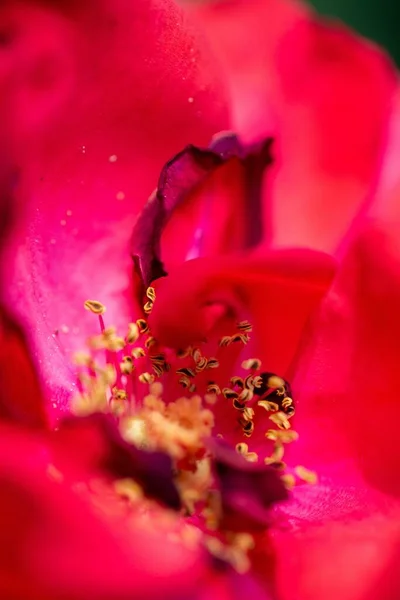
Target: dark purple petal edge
{"x":179,"y":177}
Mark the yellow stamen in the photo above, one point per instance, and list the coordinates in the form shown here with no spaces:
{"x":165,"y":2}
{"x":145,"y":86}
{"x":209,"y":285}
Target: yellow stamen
{"x":246,"y":395}
{"x":82,"y":359}
{"x":243,"y":449}
{"x":275,"y":382}
{"x":148,"y":307}
{"x":127,"y":365}
{"x":285,"y":437}
{"x":212,"y":363}
{"x":306,"y":475}
{"x":289,"y":480}
{"x":133,"y":333}
{"x":245,"y":326}
{"x":185,"y":381}
{"x":276,"y":456}
{"x":146,"y":378}
{"x":150,"y":342}
{"x":229,"y":394}
{"x":251,"y":364}
{"x":185,"y":371}
{"x":128,"y":488}
{"x":237,"y":381}
{"x":151,"y":294}
{"x":225,"y":341}
{"x":95,"y":307}
{"x":138,"y":353}
{"x":213,"y":388}
{"x":269,"y":406}
{"x":281,"y":420}
{"x":143,"y":326}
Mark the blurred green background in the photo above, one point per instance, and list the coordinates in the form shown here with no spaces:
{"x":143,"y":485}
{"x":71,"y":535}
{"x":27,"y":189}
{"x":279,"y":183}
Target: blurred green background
{"x":376,"y":19}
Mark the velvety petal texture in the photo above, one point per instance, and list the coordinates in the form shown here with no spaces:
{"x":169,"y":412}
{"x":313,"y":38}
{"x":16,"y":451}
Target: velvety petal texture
{"x":103,"y":94}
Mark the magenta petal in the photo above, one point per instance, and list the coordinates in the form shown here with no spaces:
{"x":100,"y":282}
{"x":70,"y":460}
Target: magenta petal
{"x":112,"y":91}
{"x":351,"y":360}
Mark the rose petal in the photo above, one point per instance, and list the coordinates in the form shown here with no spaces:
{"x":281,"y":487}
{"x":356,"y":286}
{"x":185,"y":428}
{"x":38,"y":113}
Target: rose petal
{"x":54,"y":545}
{"x":325,"y":95}
{"x":351,"y":554}
{"x":208,"y":201}
{"x":348,"y":377}
{"x":131,"y":86}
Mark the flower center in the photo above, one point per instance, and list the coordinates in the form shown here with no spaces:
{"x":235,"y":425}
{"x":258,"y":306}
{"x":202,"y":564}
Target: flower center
{"x":163,"y":400}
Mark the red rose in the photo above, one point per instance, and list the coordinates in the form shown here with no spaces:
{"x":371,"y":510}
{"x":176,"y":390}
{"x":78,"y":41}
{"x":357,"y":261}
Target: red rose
{"x":102,"y":100}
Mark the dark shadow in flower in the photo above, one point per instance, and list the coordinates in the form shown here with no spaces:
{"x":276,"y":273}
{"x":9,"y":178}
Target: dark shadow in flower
{"x":248,"y":490}
{"x":8,"y":182}
{"x":183,"y":174}
{"x":21,"y":399}
{"x":98,"y":436}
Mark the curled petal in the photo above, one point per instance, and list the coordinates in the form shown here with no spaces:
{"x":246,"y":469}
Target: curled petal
{"x":211,"y":196}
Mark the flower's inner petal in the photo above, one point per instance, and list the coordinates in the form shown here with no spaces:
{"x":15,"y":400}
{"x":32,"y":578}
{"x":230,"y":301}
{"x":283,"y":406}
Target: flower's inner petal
{"x":280,"y":290}
{"x":338,"y":542}
{"x":347,"y":378}
{"x":208,"y":202}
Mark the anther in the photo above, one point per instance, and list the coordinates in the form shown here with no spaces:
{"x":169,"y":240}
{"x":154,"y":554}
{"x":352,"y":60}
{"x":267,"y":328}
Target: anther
{"x":133,"y":333}
{"x":143,"y":326}
{"x":138,"y":353}
{"x":251,"y":364}
{"x":95,"y":307}
{"x":230,"y":394}
{"x":146,"y":378}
